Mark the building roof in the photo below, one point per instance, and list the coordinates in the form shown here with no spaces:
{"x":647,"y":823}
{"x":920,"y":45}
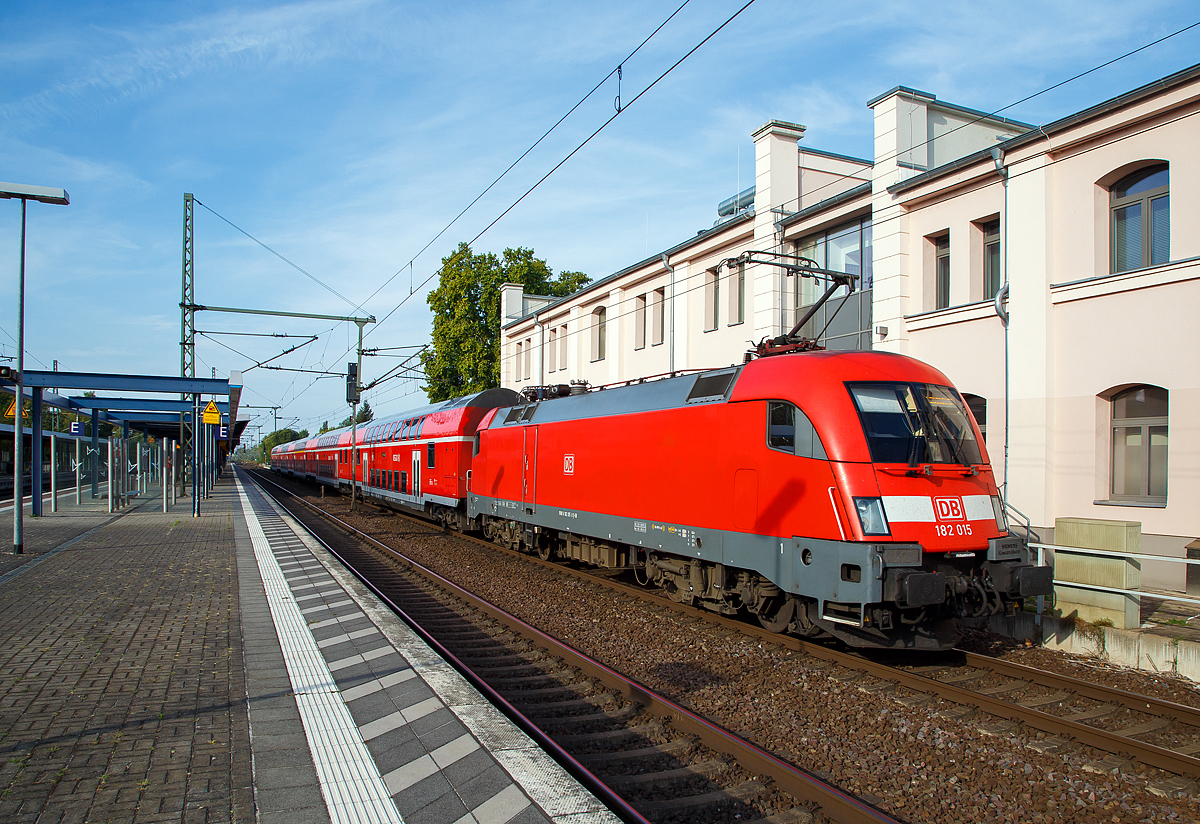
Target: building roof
{"x":829,"y":202}
{"x":1034,"y":133}
{"x":954,"y":107}
{"x":836,"y":156}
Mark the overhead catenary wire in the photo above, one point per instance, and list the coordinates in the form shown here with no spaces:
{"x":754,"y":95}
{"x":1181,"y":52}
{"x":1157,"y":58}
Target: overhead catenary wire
{"x":1026,"y":99}
{"x":295,"y":266}
{"x":522,"y":156}
{"x":576,"y":150}
{"x":573,"y":152}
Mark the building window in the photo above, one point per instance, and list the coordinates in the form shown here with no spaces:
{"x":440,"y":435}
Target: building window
{"x":991,"y":259}
{"x":712,"y":300}
{"x":517,"y":362}
{"x":941,"y":271}
{"x":978,"y":407}
{"x":639,"y":322}
{"x":846,"y":248}
{"x":737,"y":294}
{"x":552,"y":352}
{"x":1139,"y":445}
{"x":528,"y":358}
{"x":658,"y":314}
{"x":1141,"y":219}
{"x":599,"y":333}
{"x":562,"y":347}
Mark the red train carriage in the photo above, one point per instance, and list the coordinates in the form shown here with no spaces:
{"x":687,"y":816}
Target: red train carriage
{"x":417,"y":460}
{"x":846,"y":494}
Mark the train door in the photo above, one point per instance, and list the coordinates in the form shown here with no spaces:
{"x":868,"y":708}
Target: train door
{"x":416,"y":473}
{"x":529,"y":470}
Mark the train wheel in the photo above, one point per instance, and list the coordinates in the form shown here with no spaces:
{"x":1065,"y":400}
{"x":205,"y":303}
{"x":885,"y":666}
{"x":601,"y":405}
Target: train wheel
{"x":775,"y":617}
{"x":545,"y":549}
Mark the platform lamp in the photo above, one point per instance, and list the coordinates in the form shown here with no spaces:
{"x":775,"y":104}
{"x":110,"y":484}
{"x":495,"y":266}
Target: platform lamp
{"x":24,"y":193}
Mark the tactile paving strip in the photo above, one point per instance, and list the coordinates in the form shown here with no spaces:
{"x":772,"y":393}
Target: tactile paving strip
{"x":351,"y":784}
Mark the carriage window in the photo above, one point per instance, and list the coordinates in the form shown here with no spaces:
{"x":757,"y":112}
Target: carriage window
{"x":421,"y":424}
{"x":475,"y":446}
{"x":429,"y":456}
{"x":404,"y":481}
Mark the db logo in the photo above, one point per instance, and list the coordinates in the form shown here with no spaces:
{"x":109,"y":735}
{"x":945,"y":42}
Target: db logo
{"x":568,"y":464}
{"x":948,"y":509}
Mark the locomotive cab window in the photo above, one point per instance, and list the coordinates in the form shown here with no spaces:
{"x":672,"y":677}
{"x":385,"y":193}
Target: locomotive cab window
{"x":915,"y":423}
{"x":790,"y":430}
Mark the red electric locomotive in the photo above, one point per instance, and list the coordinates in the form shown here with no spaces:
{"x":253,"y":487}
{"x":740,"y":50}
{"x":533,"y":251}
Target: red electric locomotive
{"x":838,"y":493}
{"x":845,"y":494}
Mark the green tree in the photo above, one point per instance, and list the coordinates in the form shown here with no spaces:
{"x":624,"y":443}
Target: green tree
{"x":325,"y":427}
{"x":465,"y":356}
{"x":280,"y":436}
{"x":365,"y":415}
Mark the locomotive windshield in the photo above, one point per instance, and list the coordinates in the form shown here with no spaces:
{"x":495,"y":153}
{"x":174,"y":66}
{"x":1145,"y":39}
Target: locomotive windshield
{"x":915,"y":423}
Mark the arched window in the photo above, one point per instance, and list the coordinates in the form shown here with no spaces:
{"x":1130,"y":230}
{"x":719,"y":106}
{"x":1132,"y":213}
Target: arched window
{"x":1141,"y":219}
{"x":1139,"y":445}
{"x":599,"y":333}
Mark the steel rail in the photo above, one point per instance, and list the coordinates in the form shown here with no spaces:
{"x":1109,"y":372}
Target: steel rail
{"x":834,"y":803}
{"x":1142,"y":703}
{"x":614,"y":802}
{"x":1148,"y":754}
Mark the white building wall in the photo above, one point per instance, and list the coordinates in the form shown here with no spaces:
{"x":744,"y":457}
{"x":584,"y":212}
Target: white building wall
{"x":1077,"y":333}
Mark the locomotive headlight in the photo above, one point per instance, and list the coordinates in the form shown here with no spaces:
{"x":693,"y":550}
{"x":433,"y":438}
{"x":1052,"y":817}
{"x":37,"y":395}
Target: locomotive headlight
{"x":998,"y":509}
{"x":871,"y":516}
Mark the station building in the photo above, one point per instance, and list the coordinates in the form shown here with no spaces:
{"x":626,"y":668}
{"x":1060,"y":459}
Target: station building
{"x":1093,"y":386}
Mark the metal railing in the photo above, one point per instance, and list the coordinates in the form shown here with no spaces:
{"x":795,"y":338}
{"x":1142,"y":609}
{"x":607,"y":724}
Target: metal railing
{"x":1139,"y":556}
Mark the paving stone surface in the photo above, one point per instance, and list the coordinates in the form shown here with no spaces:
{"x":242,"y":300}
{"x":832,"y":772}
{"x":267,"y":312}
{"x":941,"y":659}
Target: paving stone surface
{"x":122,"y":690}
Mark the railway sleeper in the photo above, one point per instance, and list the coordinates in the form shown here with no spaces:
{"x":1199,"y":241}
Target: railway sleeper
{"x":745,"y":792}
{"x":533,"y":708}
{"x":677,"y":747}
{"x":546,"y":679}
{"x":578,"y":688}
{"x":668,"y":778}
{"x":605,"y":717}
{"x":642,"y":732}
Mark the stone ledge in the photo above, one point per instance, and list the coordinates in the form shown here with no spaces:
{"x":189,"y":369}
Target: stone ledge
{"x":1127,"y":648}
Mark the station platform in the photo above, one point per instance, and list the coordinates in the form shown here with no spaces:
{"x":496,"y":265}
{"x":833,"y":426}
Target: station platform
{"x":160,"y":667}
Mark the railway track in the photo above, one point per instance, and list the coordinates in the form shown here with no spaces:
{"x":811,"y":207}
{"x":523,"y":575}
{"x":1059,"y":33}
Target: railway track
{"x":1054,"y":714}
{"x":659,"y":761}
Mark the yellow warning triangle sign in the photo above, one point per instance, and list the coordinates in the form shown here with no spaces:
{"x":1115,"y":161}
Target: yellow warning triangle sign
{"x":10,"y":409}
{"x":212,"y":414}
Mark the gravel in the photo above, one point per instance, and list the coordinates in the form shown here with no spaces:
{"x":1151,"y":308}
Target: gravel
{"x":929,"y":762}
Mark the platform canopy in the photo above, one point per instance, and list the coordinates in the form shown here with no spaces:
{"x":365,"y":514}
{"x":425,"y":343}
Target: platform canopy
{"x":158,"y":417}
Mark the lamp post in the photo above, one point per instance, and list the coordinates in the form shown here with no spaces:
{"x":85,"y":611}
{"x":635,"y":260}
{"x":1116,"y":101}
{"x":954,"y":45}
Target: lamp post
{"x":24,"y":193}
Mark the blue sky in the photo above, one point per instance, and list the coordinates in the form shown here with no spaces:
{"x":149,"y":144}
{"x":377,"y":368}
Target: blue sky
{"x":346,"y":135}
